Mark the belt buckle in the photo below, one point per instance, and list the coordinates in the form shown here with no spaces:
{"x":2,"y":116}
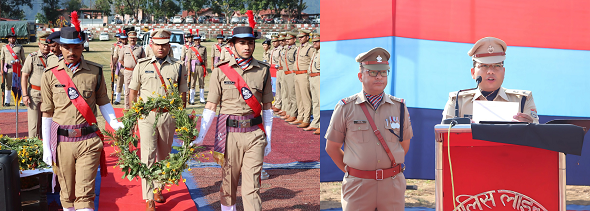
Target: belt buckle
{"x":245,"y":123}
{"x":74,"y":133}
{"x":377,"y":174}
{"x":403,"y":167}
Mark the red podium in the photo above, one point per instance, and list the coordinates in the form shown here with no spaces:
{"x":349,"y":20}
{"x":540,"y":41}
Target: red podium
{"x":495,"y":176}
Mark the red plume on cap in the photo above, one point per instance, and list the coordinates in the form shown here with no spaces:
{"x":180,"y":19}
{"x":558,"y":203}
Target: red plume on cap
{"x":52,"y":30}
{"x":221,"y":32}
{"x":12,"y":29}
{"x":119,"y":31}
{"x":75,"y":20}
{"x":197,"y":31}
{"x":191,"y":30}
{"x":124,"y":32}
{"x":251,"y":19}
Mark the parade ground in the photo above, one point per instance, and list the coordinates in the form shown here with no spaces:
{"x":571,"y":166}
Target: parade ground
{"x":293,"y":164}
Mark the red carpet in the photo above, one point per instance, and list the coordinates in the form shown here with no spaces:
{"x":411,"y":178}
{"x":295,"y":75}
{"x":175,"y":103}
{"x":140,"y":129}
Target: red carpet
{"x":122,"y":194}
{"x":8,"y":123}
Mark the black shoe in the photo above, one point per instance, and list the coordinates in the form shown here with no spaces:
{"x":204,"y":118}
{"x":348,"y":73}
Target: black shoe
{"x":191,"y":103}
{"x":204,"y":102}
{"x":22,"y":104}
{"x":6,"y":104}
{"x":116,"y":103}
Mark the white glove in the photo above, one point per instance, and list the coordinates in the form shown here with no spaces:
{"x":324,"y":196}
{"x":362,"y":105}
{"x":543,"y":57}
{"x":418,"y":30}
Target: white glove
{"x":267,"y":119}
{"x":46,"y":133}
{"x":206,"y":121}
{"x":109,"y":116}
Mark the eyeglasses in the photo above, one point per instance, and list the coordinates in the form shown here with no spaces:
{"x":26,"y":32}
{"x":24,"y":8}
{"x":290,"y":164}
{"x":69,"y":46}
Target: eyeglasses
{"x":374,"y":73}
{"x":495,"y":66}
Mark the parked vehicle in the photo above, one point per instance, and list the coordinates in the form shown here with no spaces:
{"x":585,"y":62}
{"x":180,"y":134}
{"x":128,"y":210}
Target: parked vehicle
{"x":222,"y":20}
{"x":177,"y":19}
{"x":278,"y":20}
{"x":88,"y":34}
{"x":202,"y":19}
{"x":269,"y":35}
{"x":269,"y":21}
{"x":176,"y":41}
{"x":234,"y":20}
{"x":104,"y":36}
{"x":243,"y":19}
{"x":189,"y":19}
{"x":214,"y":20}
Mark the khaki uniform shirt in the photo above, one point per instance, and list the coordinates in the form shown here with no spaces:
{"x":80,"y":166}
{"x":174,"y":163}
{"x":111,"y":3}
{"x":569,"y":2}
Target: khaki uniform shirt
{"x":116,"y":50}
{"x":466,"y":99}
{"x":314,"y":65}
{"x":216,"y":52}
{"x":126,"y":58}
{"x":288,"y":58}
{"x":57,"y":100}
{"x":222,"y":91}
{"x":191,"y":55}
{"x":275,"y":56}
{"x":145,"y":79}
{"x":185,"y":51}
{"x":35,"y":66}
{"x":53,"y":60}
{"x":304,"y":54}
{"x":6,"y":56}
{"x":266,"y":56}
{"x":362,"y":149}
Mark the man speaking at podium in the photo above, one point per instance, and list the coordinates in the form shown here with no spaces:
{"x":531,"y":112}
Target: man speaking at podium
{"x":375,"y":130}
{"x":488,"y":56}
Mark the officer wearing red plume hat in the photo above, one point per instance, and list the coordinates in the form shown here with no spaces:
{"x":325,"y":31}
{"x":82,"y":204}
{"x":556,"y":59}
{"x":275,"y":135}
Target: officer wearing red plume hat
{"x":71,"y":89}
{"x":196,"y":56}
{"x":12,"y":56}
{"x":119,"y":75}
{"x":242,"y":84}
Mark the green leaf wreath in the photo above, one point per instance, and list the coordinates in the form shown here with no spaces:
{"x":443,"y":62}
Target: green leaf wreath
{"x":168,"y":171}
{"x":29,"y":150}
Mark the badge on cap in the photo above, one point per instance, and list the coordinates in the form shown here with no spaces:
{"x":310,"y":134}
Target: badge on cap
{"x":72,"y":93}
{"x":246,"y":93}
{"x":379,"y":58}
{"x":490,"y":49}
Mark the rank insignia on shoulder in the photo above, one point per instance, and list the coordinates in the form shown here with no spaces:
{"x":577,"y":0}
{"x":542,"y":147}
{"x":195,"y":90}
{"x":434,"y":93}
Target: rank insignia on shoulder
{"x":342,"y":102}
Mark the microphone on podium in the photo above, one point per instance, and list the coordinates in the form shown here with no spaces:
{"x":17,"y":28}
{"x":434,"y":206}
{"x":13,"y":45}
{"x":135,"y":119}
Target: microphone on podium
{"x":457,"y":119}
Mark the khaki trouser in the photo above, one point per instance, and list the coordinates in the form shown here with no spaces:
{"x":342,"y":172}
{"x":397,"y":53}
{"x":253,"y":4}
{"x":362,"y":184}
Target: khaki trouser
{"x":127,"y":75}
{"x":121,"y":79}
{"x":34,"y":113}
{"x":155,"y":146}
{"x":290,"y":99}
{"x":8,"y":81}
{"x":370,"y":194}
{"x":244,"y":154}
{"x":198,"y":77}
{"x":303,"y":97}
{"x":76,"y":167}
{"x":314,"y":85}
{"x":278,"y":101}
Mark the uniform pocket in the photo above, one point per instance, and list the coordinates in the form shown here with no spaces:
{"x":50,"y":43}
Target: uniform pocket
{"x":60,"y":97}
{"x":391,"y":134}
{"x":358,"y":132}
{"x":229,"y":90}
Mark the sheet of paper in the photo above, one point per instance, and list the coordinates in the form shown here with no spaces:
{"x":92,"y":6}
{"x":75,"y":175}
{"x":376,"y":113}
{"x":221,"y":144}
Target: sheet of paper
{"x":494,"y":111}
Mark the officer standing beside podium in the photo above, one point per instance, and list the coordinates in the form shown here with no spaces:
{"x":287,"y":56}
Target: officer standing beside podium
{"x":372,"y":160}
{"x":488,"y":55}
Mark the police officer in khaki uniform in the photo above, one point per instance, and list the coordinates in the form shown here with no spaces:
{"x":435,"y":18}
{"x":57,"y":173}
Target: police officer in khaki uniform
{"x":288,"y":63}
{"x":281,"y":40}
{"x":120,"y":76}
{"x":239,"y":135}
{"x":488,"y":56}
{"x":7,"y":61}
{"x":373,"y":180}
{"x":70,"y":143}
{"x":314,"y":83}
{"x":148,"y":50}
{"x":304,"y":53}
{"x":196,"y":67}
{"x":266,"y":50}
{"x":188,"y":37}
{"x":275,"y":61}
{"x":55,"y":56}
{"x":217,"y":48}
{"x":129,"y":56}
{"x":33,"y":69}
{"x":156,"y":143}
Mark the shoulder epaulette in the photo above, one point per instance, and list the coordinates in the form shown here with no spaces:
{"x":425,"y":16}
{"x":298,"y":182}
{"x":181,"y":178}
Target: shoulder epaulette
{"x":347,"y":100}
{"x":143,"y":59}
{"x":93,"y":64}
{"x":393,"y":98}
{"x":34,"y":53}
{"x":221,"y":62}
{"x":264,"y":63}
{"x":463,"y":93}
{"x":517,"y":92}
